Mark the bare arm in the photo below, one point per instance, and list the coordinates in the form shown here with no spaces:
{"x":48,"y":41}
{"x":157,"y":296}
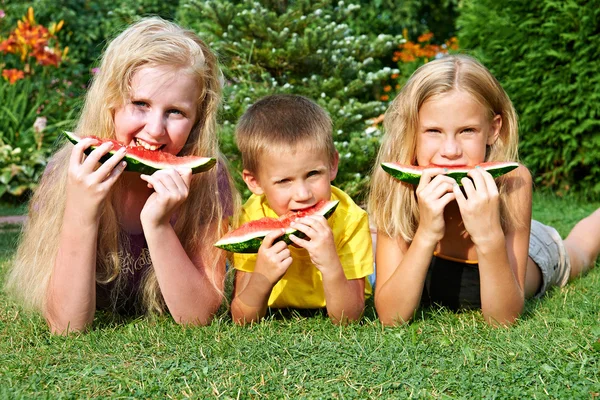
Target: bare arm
{"x":71,"y":296}
{"x":402,"y":268}
{"x":251,"y":296}
{"x":252,"y":289}
{"x":502,"y":257}
{"x":184,"y":280}
{"x":186,"y":283}
{"x":401,"y":273}
{"x":344,"y":298}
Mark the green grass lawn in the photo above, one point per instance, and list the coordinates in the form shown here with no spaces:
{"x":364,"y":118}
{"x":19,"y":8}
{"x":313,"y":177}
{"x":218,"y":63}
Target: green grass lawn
{"x":554,"y":351}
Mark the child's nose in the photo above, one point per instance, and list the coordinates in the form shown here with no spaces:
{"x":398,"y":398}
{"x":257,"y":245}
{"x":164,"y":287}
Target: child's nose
{"x":451,"y":148}
{"x":155,"y":124}
{"x":302,"y":192}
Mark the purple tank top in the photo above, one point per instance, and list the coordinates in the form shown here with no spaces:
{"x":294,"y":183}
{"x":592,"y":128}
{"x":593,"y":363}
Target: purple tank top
{"x":135,"y":263}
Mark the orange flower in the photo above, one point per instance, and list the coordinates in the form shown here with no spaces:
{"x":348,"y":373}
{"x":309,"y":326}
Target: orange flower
{"x":426,"y":37}
{"x":395,"y":76}
{"x":387,"y":88}
{"x":384,"y":97}
{"x":32,"y":40}
{"x":13,"y":75}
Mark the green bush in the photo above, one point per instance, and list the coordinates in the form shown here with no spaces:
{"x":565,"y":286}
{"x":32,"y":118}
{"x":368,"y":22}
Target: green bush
{"x":88,"y":25}
{"x":414,"y":16}
{"x":545,"y":53}
{"x":28,"y":131}
{"x":306,"y":48}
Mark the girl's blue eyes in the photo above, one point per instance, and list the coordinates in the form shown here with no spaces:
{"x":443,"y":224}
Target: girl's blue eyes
{"x":145,"y":104}
{"x":467,"y":130}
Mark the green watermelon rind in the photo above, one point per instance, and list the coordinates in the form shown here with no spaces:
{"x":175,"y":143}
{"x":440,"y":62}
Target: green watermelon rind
{"x":251,"y":245}
{"x":144,"y":166}
{"x":413,"y":175}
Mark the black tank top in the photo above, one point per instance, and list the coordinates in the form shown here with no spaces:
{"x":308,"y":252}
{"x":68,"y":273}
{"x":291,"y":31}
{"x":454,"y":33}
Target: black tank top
{"x":452,"y":284}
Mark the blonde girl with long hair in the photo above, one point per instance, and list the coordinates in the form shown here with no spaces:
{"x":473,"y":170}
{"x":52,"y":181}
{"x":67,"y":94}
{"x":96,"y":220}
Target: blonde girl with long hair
{"x":99,"y":237}
{"x":463,"y":246}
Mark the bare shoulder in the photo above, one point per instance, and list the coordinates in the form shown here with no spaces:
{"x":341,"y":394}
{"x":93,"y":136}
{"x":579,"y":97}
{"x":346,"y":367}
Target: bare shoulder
{"x":519,"y":192}
{"x":518,"y":181}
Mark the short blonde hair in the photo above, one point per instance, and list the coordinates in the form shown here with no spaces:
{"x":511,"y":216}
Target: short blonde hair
{"x":393,"y":205}
{"x":283,"y":121}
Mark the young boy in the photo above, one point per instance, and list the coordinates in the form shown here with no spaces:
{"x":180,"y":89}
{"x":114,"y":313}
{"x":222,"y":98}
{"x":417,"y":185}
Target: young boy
{"x":289,"y":162}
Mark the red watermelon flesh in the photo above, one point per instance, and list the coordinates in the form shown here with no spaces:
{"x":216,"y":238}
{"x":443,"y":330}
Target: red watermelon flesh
{"x":146,"y":161}
{"x":248,"y":237}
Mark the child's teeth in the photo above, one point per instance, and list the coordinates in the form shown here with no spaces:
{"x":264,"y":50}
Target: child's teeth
{"x":147,"y":146}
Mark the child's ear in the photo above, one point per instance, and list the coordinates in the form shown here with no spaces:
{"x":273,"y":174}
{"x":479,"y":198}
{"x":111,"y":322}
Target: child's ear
{"x":333,"y":170}
{"x":496,"y":128}
{"x":252,"y":182}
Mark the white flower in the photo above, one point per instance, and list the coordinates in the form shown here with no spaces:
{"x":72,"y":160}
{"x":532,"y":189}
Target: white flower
{"x":40,"y":124}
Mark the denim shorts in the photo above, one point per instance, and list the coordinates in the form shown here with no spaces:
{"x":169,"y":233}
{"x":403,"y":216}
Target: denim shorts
{"x":547,"y":250}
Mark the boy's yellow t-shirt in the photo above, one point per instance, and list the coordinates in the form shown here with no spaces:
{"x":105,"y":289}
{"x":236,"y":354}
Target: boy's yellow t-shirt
{"x":302,"y":284}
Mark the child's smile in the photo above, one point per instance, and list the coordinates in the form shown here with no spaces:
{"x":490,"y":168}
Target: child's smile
{"x":161,"y":110}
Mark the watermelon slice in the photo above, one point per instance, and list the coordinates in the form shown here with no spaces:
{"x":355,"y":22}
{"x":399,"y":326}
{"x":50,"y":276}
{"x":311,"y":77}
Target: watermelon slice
{"x":248,"y":237}
{"x":412,"y":173}
{"x":147,"y":161}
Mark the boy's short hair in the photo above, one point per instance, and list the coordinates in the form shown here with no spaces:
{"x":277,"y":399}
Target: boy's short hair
{"x":282,"y":121}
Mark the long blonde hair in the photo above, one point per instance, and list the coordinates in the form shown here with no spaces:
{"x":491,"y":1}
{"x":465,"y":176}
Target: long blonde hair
{"x":149,"y":42}
{"x":393,"y":205}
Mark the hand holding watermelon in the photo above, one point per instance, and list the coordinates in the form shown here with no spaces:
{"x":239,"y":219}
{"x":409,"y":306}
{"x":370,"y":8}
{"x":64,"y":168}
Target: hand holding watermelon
{"x":480,"y":206}
{"x":146,"y":161}
{"x":434,"y":193}
{"x":171,"y":188}
{"x":319,"y":241}
{"x":88,"y":184}
{"x":274,"y":257}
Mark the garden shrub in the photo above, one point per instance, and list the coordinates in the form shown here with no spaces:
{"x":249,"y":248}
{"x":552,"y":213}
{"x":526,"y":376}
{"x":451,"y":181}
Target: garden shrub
{"x":408,"y":17}
{"x":545,"y":53}
{"x":306,"y":48}
{"x":34,"y":103}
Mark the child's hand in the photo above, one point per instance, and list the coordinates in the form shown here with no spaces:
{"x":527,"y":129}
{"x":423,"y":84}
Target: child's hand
{"x":480,"y":208}
{"x":273,"y":258}
{"x":171,"y":188}
{"x":434,"y":193}
{"x":89,"y":182}
{"x":319,"y":244}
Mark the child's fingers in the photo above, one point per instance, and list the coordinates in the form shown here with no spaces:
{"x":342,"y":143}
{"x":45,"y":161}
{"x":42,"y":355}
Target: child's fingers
{"x":299,"y":242}
{"x":428,"y":175}
{"x":476,"y":175}
{"x":459,"y":196}
{"x":154,"y":183}
{"x":468,"y":187}
{"x":490,"y":182}
{"x":442,"y":188}
{"x":271,"y":237}
{"x":186,"y":175}
{"x":115,"y":173}
{"x":109,"y":165}
{"x":91,"y":161}
{"x":77,"y":154}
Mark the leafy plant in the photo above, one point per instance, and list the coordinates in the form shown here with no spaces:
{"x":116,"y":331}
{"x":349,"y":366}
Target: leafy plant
{"x":27,"y":134}
{"x":306,"y":48}
{"x":545,"y":53}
